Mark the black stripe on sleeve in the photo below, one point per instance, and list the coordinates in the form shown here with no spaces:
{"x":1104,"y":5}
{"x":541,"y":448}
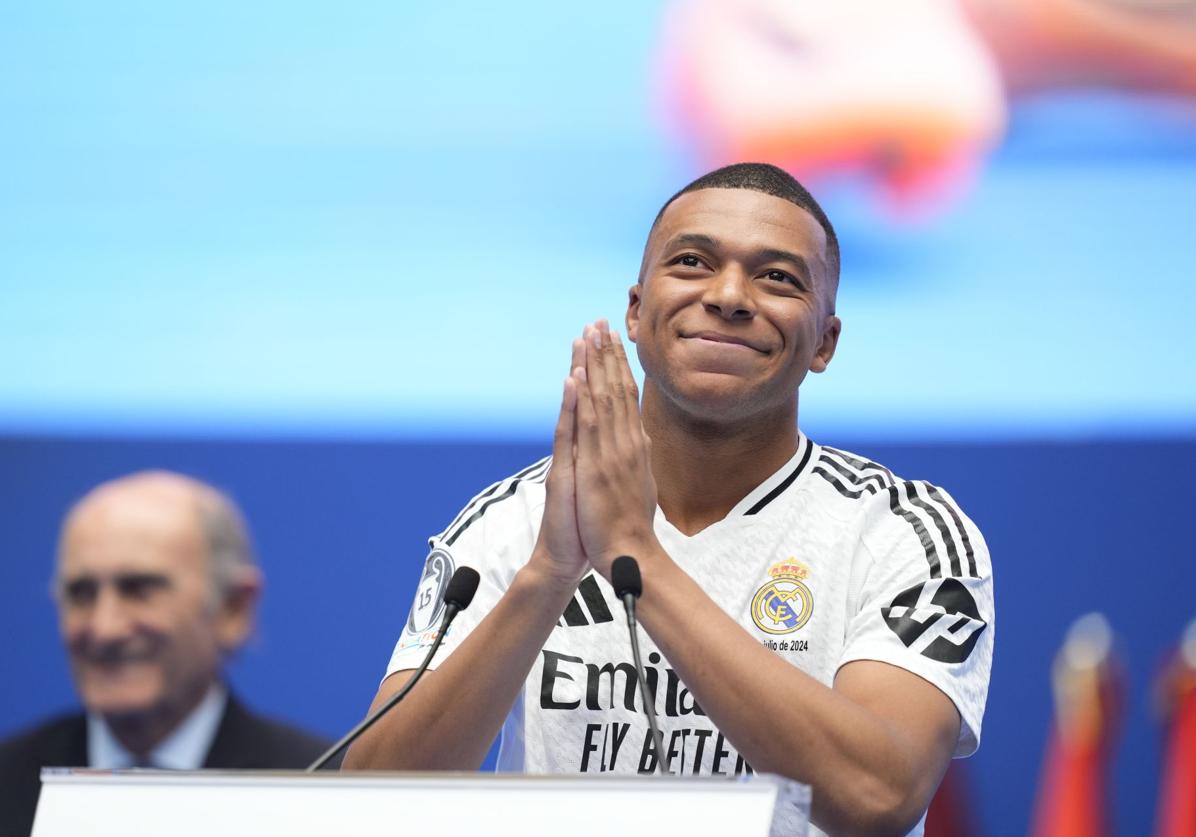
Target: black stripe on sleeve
{"x":469,"y":506}
{"x":911,"y":489}
{"x":840,"y":487}
{"x":479,"y":498}
{"x":858,"y":479}
{"x":937,"y":495}
{"x":785,"y":483}
{"x":861,"y":464}
{"x":932,"y":553}
{"x":532,"y":477}
{"x":902,"y":506}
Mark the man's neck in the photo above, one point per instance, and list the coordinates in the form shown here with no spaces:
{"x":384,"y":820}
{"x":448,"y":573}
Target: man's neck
{"x":141,"y":733}
{"x":704,"y":468}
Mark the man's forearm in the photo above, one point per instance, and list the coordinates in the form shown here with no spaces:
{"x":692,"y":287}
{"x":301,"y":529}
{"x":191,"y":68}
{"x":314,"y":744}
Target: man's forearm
{"x":864,"y":775}
{"x":451,"y":718}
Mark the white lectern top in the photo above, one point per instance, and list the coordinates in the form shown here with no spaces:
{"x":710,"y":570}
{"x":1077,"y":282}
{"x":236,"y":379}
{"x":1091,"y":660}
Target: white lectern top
{"x":128,"y":803}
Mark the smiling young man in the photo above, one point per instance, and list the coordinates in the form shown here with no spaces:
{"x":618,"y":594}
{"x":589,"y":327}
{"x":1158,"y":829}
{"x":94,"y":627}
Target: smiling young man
{"x":808,"y":613}
{"x":155,"y":586}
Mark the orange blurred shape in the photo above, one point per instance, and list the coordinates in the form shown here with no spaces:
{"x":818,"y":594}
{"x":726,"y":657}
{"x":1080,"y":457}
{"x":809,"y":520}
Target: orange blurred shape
{"x":1088,"y":685}
{"x":1177,"y":791}
{"x":903,"y":95}
{"x":1139,"y":45}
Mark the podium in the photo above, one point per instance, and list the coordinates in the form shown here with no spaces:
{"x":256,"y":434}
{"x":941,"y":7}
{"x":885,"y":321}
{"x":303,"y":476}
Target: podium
{"x":213,"y":803}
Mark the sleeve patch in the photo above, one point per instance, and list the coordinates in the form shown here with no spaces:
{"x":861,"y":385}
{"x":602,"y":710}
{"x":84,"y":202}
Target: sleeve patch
{"x":429,"y":596}
{"x":937,"y":618}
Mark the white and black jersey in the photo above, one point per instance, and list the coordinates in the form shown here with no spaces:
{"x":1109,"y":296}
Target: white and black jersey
{"x":831,"y":559}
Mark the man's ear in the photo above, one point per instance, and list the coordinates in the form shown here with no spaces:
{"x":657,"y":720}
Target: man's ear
{"x":831,"y":327}
{"x":238,"y":608}
{"x":632,"y":320}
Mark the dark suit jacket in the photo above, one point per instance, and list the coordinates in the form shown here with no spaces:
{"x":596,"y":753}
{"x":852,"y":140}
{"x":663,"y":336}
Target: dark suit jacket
{"x":243,"y":741}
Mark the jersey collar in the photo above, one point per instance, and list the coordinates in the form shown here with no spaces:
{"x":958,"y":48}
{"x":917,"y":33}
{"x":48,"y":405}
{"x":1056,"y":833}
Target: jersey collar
{"x":777,"y":484}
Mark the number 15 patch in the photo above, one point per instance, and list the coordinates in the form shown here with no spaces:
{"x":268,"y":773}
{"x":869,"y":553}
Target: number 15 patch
{"x":429,"y":597}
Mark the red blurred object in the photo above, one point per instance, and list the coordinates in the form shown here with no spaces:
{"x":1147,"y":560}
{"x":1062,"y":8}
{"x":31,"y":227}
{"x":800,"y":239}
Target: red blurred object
{"x":1088,"y":681}
{"x":1072,"y":800}
{"x":952,"y":813}
{"x":1177,"y":792}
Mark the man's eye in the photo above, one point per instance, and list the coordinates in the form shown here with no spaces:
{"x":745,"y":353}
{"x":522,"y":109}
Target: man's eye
{"x":689,"y":260}
{"x":780,"y":276}
{"x":137,"y":587}
{"x":80,"y":592}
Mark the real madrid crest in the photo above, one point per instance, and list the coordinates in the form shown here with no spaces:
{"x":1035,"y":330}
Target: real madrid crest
{"x":784,"y":603}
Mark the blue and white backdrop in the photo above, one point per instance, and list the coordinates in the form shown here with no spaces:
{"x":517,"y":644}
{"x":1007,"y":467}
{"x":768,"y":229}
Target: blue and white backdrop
{"x":332,"y":261}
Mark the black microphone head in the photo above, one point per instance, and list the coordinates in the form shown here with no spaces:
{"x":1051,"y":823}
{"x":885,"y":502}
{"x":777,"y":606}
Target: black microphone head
{"x":625,"y":577}
{"x":461,"y":588}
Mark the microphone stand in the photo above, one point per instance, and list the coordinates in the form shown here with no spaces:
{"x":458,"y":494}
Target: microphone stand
{"x":457,"y":597}
{"x":628,"y":584}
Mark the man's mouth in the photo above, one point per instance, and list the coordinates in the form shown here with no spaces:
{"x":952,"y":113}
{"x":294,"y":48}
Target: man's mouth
{"x":726,"y":339}
{"x":115,"y":659}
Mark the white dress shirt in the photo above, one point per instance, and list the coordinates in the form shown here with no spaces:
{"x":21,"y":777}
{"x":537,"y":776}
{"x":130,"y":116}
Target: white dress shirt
{"x":184,"y":749}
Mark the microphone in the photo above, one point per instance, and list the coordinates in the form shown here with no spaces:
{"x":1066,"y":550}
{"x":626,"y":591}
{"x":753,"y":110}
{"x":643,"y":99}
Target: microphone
{"x":629,"y":586}
{"x":457,"y":597}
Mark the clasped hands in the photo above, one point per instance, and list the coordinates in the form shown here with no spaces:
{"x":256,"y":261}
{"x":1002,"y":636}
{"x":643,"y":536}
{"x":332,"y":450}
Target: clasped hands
{"x":601,"y":495}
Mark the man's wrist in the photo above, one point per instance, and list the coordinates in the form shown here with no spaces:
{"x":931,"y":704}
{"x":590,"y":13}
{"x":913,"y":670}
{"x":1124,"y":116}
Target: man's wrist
{"x":538,"y":576}
{"x":645,"y":549}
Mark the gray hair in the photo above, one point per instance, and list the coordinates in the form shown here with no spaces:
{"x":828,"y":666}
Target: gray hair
{"x":227,"y":538}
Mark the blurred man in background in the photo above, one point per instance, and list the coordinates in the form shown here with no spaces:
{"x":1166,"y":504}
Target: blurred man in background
{"x":155,"y":585}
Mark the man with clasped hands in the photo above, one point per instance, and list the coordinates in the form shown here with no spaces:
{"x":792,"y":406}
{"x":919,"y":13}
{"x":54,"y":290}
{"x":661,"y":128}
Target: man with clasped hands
{"x":807,"y":612}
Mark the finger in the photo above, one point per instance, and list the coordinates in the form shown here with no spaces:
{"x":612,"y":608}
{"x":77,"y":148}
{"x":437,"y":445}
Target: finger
{"x":564,"y":435}
{"x":630,"y":391}
{"x":604,"y":400}
{"x":595,"y":374}
{"x":564,"y":447}
{"x":579,"y":354}
{"x":616,"y":385}
{"x":588,"y":425}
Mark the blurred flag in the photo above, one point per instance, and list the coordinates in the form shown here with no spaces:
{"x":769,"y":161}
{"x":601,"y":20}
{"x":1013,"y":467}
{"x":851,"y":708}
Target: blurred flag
{"x":1073,"y":797}
{"x":952,"y":813}
{"x":1177,"y":788}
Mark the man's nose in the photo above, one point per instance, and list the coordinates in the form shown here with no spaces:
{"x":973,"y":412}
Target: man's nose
{"x":728,"y":294}
{"x":110,"y":619}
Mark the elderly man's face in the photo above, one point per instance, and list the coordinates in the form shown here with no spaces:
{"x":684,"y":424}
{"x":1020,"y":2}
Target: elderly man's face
{"x":137,"y":612}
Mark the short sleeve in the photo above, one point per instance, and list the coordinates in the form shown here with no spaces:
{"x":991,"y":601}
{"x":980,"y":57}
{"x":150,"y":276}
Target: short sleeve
{"x":926,"y":599}
{"x":494,"y":534}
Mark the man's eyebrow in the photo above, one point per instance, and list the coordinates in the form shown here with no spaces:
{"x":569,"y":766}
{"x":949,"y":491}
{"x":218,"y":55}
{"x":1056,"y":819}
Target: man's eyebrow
{"x":135,"y":576}
{"x":63,"y":580}
{"x":773,"y":255}
{"x":691,"y":239}
{"x":142,"y":576}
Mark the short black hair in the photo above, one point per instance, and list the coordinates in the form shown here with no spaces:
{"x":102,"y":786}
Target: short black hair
{"x":770,"y":180}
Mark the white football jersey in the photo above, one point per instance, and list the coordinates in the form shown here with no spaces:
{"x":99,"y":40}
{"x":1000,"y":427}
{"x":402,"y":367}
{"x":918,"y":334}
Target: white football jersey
{"x":829,"y":560}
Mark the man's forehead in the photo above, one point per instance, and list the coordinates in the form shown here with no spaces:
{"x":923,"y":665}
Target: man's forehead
{"x":134,"y":531}
{"x":739,"y":216}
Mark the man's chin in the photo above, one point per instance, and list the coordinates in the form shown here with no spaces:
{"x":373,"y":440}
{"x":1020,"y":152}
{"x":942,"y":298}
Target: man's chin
{"x":121,"y":700}
{"x":717,"y":398}
{"x":723,"y":411}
